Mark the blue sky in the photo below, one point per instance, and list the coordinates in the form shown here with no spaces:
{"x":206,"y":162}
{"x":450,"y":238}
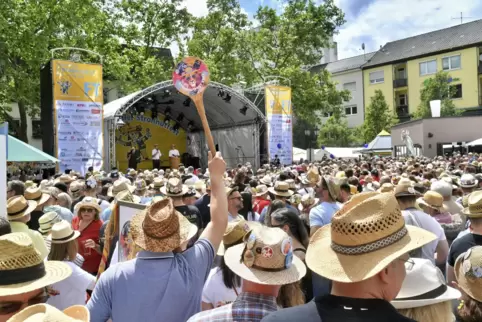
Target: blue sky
{"x":376,"y":22}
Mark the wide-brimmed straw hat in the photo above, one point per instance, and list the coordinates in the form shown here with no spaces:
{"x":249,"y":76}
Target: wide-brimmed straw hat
{"x":22,"y":264}
{"x":88,"y":202}
{"x":313,"y":175}
{"x":332,"y":185}
{"x":281,"y":189}
{"x":62,"y":233}
{"x":118,"y":186}
{"x":468,"y":180}
{"x":132,"y":173}
{"x":160,"y":228}
{"x":265,"y":257}
{"x":261,"y":190}
{"x":474,"y":207}
{"x":140,"y":185}
{"x":424,"y":285}
{"x":386,"y":188}
{"x":432,"y":200}
{"x":405,"y":188}
{"x":48,"y":313}
{"x":192,"y":192}
{"x":174,"y":187}
{"x":234,"y":234}
{"x":35,"y":194}
{"x":47,"y":220}
{"x":65,"y":178}
{"x":468,"y":272}
{"x":157,"y":184}
{"x":266,"y":180}
{"x":364,"y":236}
{"x":307,"y":201}
{"x":127,"y":196}
{"x":18,"y":206}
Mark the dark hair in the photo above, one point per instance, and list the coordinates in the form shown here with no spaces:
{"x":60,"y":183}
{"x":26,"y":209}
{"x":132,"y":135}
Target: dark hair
{"x":345,"y":187}
{"x":17,"y":186}
{"x":4,"y":227}
{"x":353,"y":181}
{"x":349,"y":173}
{"x":273,"y":206}
{"x":365,"y":173}
{"x":286,"y":216}
{"x":283,"y":176}
{"x":62,"y":187}
{"x":247,"y":204}
{"x":230,"y":279}
{"x":105,"y":181}
{"x":471,"y":311}
{"x":253,"y":183}
{"x":375,"y":172}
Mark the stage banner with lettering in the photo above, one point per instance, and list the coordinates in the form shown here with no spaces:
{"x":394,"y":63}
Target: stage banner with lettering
{"x":78,"y":102}
{"x":280,"y":123}
{"x":142,"y":132}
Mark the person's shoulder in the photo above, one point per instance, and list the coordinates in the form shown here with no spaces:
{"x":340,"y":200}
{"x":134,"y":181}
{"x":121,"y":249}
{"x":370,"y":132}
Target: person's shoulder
{"x":306,"y":313}
{"x":216,"y":314}
{"x":192,"y":208}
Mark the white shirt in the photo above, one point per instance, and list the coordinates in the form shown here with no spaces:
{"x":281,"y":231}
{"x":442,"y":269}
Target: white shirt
{"x":231,"y":217}
{"x":72,"y":289}
{"x":215,"y":292}
{"x":174,"y":153}
{"x":156,"y":154}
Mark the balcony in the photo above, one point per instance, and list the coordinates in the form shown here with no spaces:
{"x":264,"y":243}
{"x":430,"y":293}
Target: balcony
{"x":401,"y":82}
{"x":402,"y":113}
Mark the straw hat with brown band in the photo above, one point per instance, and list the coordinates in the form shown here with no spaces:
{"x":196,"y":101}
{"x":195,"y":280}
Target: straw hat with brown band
{"x":18,"y":206}
{"x":474,"y":208}
{"x":432,"y":200}
{"x":364,"y":236}
{"x":62,"y":233}
{"x":118,"y":186}
{"x":47,"y":220}
{"x":468,"y":272}
{"x":234,"y":234}
{"x":48,"y":313}
{"x":281,"y":189}
{"x":22,"y":270}
{"x":36,"y":195}
{"x":265,"y":257}
{"x":160,"y":228}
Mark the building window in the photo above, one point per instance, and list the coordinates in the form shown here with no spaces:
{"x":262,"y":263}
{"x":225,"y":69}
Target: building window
{"x":377,"y":77}
{"x":457,"y":91}
{"x":428,"y":67}
{"x":350,"y":86}
{"x":13,"y":128}
{"x":327,"y":114}
{"x":402,"y":99}
{"x":37,"y":129}
{"x":351,"y":110}
{"x":450,"y":63}
{"x":401,"y":73}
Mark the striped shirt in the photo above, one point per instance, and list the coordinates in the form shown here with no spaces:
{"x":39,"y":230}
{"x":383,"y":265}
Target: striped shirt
{"x":248,"y":306}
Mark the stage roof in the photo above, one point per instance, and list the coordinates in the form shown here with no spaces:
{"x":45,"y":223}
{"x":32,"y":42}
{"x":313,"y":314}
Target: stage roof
{"x":219,"y":111}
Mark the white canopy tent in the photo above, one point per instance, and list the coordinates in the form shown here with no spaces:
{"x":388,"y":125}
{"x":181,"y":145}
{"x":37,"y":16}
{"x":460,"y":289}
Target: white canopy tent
{"x":345,"y":153}
{"x":475,"y":142}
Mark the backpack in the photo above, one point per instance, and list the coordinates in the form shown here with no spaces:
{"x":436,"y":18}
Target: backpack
{"x":412,"y":220}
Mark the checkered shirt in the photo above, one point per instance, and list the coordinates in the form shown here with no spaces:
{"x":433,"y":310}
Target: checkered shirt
{"x":252,"y":307}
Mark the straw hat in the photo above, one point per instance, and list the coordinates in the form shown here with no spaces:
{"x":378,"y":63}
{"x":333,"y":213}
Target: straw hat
{"x":474,"y":208}
{"x":47,"y":220}
{"x":265,"y":257}
{"x":333,"y":186}
{"x":468,"y":181}
{"x":140,"y":185}
{"x":291,"y":183}
{"x":157,"y":184}
{"x":468,"y":272}
{"x":200,"y":186}
{"x":281,"y":189}
{"x":174,"y":187}
{"x":160,"y":228}
{"x":127,"y":196}
{"x":132,"y":173}
{"x":261,"y":190}
{"x":62,"y":233}
{"x":118,"y":186}
{"x":234,"y":234}
{"x":266,"y":180}
{"x":192,"y":192}
{"x":307,"y":201}
{"x":48,"y":313}
{"x":313,"y":175}
{"x":30,"y":183}
{"x":65,"y":178}
{"x":386,"y":187}
{"x":432,"y":200}
{"x":405,"y":188}
{"x":353,"y":190}
{"x":18,"y":206}
{"x":364,"y":236}
{"x":88,"y":202}
{"x":424,"y":285}
{"x":35,"y":194}
{"x":21,"y":263}
{"x":295,"y":200}
{"x":76,"y":187}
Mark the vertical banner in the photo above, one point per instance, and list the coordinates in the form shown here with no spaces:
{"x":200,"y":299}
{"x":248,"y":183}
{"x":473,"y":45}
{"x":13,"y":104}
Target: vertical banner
{"x":3,"y":167}
{"x":280,"y":123}
{"x":78,"y":105}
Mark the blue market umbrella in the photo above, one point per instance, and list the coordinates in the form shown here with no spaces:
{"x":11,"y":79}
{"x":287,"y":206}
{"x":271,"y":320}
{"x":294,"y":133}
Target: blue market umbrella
{"x":19,"y":151}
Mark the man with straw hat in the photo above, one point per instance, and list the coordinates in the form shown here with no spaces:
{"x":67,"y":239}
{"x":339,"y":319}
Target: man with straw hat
{"x":265,"y":262}
{"x":365,"y":253}
{"x":163,"y":282}
{"x":473,"y":238}
{"x":48,"y":313}
{"x":18,"y":214}
{"x":35,"y":194}
{"x":24,"y":274}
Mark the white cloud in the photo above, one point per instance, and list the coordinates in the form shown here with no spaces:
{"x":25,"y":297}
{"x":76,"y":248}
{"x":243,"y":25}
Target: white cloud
{"x":197,"y":8}
{"x":388,"y":20}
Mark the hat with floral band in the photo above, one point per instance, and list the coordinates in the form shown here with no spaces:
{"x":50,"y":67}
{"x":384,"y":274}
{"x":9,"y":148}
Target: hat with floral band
{"x":18,"y":206}
{"x":265,"y":257}
{"x":23,"y":270}
{"x":468,"y":180}
{"x":35,"y":194}
{"x":48,"y":313}
{"x":364,"y":236}
{"x":174,"y":187}
{"x":295,"y":200}
{"x":468,"y":272}
{"x":307,"y":201}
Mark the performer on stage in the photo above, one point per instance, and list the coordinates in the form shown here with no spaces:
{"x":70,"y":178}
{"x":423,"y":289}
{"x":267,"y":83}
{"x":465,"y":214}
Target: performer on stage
{"x":174,"y":152}
{"x":133,"y":158}
{"x":156,"y":157}
{"x":174,"y":157}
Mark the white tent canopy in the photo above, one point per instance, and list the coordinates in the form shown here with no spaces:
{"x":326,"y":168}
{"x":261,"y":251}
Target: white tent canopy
{"x":475,"y":142}
{"x":337,"y":153}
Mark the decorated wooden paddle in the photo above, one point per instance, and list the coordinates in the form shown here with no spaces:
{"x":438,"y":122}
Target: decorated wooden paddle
{"x":191,"y":77}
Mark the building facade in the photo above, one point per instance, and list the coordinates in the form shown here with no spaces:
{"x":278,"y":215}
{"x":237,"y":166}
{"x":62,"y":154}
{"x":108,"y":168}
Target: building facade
{"x":400,"y":68}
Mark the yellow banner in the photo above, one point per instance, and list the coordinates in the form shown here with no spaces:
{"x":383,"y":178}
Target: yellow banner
{"x":142,"y":132}
{"x":278,"y":100}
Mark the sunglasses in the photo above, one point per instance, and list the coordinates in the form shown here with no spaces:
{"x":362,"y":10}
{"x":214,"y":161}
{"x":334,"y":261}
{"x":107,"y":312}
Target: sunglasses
{"x":89,"y":210}
{"x":15,"y":306}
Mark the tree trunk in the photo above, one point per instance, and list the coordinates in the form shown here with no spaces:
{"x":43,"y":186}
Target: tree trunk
{"x":22,"y":129}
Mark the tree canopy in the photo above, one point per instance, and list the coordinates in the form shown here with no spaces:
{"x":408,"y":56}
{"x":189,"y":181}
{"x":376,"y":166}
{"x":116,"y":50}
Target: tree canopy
{"x":378,"y":117}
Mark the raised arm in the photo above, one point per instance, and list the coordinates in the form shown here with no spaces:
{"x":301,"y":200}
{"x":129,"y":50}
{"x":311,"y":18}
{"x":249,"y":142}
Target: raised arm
{"x":219,"y":202}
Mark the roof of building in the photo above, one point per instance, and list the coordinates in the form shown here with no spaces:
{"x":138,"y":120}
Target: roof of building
{"x":447,"y":39}
{"x":343,"y":65}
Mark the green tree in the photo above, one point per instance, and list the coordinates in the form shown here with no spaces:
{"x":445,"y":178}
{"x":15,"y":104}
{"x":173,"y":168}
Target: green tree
{"x":437,"y":88}
{"x":335,"y":132}
{"x":378,"y":117}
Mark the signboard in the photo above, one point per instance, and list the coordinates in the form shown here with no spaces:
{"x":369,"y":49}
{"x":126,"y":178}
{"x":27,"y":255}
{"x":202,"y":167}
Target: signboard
{"x":78,"y":115}
{"x":280,"y":123}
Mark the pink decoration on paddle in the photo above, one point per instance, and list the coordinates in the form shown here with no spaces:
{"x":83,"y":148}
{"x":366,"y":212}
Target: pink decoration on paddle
{"x":191,"y":76}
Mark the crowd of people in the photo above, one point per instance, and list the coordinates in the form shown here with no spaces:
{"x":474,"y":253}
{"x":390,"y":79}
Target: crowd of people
{"x":372,"y":239}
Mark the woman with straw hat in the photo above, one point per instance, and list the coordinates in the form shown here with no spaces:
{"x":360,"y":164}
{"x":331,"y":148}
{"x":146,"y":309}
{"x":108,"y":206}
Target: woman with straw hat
{"x":48,"y":313}
{"x":25,"y":275}
{"x":72,"y":291}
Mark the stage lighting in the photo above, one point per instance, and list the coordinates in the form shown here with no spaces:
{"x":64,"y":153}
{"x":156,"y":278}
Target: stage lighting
{"x":176,"y":127}
{"x":180,"y":117}
{"x":243,"y":110}
{"x":227,"y":98}
{"x":167,"y":112}
{"x":190,"y":126}
{"x":187,"y":102}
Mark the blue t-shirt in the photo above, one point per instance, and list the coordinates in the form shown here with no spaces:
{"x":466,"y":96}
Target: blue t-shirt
{"x":106,"y":214}
{"x":153,"y":287}
{"x":321,"y":215}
